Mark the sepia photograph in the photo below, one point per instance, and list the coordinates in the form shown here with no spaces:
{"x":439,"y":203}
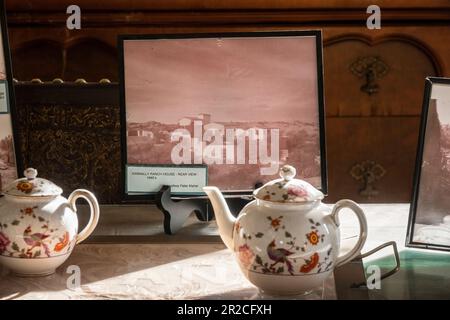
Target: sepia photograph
{"x":432,"y":201}
{"x":244,"y":106}
{"x":8,"y":171}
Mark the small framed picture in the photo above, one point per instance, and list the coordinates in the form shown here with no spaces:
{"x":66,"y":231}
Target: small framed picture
{"x":429,"y":221}
{"x":8,"y":160}
{"x":233,"y":106}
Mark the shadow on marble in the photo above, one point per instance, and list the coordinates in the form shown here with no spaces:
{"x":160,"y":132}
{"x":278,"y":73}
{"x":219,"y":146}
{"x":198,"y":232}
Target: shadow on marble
{"x":327,"y":293}
{"x":117,"y":262}
{"x":167,"y":268}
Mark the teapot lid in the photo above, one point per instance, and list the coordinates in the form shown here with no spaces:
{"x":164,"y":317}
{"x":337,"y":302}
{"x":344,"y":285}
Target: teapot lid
{"x":31,"y":186}
{"x":287,"y":189}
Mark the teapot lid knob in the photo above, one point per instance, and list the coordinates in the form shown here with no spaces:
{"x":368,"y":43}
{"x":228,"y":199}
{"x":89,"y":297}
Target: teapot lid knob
{"x":30,"y":173}
{"x":287,"y":172}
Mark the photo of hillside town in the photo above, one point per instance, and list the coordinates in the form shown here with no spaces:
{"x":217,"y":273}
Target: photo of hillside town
{"x":244,"y":107}
{"x":150,"y":143}
{"x":8,"y":171}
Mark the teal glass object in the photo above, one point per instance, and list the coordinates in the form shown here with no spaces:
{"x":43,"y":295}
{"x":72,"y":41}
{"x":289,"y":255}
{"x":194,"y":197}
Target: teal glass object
{"x":422,"y":275}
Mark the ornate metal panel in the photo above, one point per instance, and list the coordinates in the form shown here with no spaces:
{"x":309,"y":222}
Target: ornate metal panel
{"x":71,"y":134}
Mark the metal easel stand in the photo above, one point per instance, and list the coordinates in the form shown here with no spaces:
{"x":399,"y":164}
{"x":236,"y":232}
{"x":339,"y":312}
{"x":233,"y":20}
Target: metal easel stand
{"x":177,"y":210}
{"x":350,"y":279}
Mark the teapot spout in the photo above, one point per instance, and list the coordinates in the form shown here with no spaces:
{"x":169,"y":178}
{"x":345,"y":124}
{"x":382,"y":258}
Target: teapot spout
{"x":225,"y":220}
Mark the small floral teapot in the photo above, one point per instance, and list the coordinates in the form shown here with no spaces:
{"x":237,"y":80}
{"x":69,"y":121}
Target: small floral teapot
{"x":286,"y":241}
{"x":39,"y":227}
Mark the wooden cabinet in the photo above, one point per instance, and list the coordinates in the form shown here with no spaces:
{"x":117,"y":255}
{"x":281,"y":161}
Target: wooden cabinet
{"x":374,"y":79}
{"x":374,"y":88}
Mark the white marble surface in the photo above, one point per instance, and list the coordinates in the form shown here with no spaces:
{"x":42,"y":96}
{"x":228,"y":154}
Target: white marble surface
{"x":181,"y":270}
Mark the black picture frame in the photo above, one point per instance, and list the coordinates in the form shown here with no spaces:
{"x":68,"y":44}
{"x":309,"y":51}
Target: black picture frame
{"x":10,"y":86}
{"x":150,"y":198}
{"x":413,"y":212}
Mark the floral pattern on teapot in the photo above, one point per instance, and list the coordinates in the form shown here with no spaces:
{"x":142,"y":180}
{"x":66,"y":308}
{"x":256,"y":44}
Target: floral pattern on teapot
{"x":38,"y":238}
{"x":287,"y":189}
{"x":32,"y":186}
{"x":294,"y":258}
{"x":39,"y":226}
{"x":286,"y":241}
{"x":25,"y":186}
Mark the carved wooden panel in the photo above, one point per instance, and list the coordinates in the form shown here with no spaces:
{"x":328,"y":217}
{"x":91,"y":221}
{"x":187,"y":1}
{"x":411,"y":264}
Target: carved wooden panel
{"x":88,"y":58}
{"x":90,"y":52}
{"x":374,"y":95}
{"x":43,"y":55}
{"x":71,"y":134}
{"x":388,"y":141}
{"x":399,"y":70}
{"x":373,"y":78}
{"x":95,"y":58}
{"x":374,"y":89}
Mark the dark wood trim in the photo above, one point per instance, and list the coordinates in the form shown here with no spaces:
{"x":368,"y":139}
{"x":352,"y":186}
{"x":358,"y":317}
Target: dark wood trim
{"x":108,"y":18}
{"x":400,"y":116}
{"x":121,"y":5}
{"x":104,"y":94}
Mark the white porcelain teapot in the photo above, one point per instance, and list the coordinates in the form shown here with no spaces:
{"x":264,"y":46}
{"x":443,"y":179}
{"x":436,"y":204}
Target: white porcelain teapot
{"x":286,"y":241}
{"x":38,"y":226}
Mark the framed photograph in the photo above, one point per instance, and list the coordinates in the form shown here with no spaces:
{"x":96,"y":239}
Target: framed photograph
{"x":231,"y":107}
{"x":8,"y":161}
{"x":429,"y":221}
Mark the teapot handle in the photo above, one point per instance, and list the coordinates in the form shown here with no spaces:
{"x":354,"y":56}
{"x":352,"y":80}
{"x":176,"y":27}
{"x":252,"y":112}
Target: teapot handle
{"x":344,"y":258}
{"x":94,"y":207}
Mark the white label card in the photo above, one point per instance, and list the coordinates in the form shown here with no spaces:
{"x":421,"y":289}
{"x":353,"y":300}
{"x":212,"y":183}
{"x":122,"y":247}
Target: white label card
{"x":183,"y":180}
{"x":3,"y":97}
